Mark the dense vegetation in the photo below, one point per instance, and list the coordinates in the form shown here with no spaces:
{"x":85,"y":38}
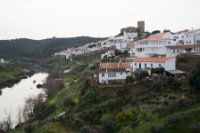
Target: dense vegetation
{"x":10,"y":73}
{"x":27,"y":48}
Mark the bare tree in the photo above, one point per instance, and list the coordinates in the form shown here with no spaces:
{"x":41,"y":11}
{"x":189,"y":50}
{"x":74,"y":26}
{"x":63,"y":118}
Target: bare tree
{"x":7,"y":123}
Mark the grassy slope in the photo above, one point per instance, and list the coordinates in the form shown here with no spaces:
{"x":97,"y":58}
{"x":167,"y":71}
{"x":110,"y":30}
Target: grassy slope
{"x":10,"y":73}
{"x":151,"y":104}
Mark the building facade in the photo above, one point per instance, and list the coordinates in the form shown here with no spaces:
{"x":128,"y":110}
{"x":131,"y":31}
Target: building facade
{"x":114,"y":71}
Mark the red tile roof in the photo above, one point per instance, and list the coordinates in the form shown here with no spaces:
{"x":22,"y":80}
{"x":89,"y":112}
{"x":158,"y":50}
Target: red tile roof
{"x":157,"y":37}
{"x":162,"y":59}
{"x":115,"y":65}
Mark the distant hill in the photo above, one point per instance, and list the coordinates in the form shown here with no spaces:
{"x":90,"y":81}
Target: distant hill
{"x":27,"y":48}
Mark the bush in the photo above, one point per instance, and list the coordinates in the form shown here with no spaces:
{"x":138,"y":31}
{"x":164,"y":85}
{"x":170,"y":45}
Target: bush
{"x":194,"y":78}
{"x":172,"y":83}
{"x":141,"y":74}
{"x":46,"y":112}
{"x":85,"y":129}
{"x":195,"y":127}
{"x":128,"y":130}
{"x":157,"y":84}
{"x":173,"y":121}
{"x":28,"y":129}
{"x":157,"y":129}
{"x":181,"y":59}
{"x":125,"y":115}
{"x":129,"y":79}
{"x":108,"y":126}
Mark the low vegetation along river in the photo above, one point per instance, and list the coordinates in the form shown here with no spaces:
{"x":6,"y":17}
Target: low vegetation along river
{"x":13,"y":99}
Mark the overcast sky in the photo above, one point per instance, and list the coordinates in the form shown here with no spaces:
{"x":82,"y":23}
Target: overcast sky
{"x":38,"y":19}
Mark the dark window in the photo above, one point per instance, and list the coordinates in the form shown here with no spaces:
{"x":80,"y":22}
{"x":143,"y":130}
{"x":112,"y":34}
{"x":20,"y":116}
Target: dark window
{"x":159,"y":65}
{"x":151,"y":65}
{"x":103,"y":75}
{"x":111,"y":74}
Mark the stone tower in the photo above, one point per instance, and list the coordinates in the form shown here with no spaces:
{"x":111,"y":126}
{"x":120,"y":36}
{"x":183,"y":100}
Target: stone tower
{"x":141,"y":26}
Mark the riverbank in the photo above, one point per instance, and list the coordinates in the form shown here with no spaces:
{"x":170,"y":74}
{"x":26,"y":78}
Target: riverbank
{"x":11,"y":74}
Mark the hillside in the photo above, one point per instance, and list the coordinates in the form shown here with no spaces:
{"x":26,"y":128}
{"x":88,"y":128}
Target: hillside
{"x":27,"y":48}
{"x":149,"y":106}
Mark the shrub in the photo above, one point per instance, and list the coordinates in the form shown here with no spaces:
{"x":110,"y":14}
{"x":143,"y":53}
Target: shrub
{"x":157,"y":129}
{"x":125,"y":115}
{"x":46,"y":112}
{"x":157,"y":70}
{"x":108,"y":126}
{"x":68,"y":102}
{"x":194,"y":78}
{"x":129,"y":79}
{"x":181,"y":59}
{"x":157,"y":84}
{"x":173,"y":121}
{"x":172,"y":83}
{"x":195,"y":127}
{"x":85,"y":129}
{"x":128,"y":130}
{"x":141,"y":74}
{"x":29,"y":128}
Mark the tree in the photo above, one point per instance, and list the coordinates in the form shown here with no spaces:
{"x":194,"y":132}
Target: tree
{"x":158,"y":71}
{"x":156,"y":32}
{"x":194,"y":78}
{"x":166,"y":30}
{"x":6,"y":124}
{"x":140,"y":74}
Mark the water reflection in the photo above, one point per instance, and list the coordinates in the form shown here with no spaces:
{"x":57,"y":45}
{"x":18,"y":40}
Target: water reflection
{"x":13,"y":99}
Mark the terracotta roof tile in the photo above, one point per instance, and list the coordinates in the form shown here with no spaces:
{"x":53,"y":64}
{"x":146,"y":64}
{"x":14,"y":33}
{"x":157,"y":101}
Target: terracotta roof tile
{"x":157,"y":37}
{"x":115,"y":65}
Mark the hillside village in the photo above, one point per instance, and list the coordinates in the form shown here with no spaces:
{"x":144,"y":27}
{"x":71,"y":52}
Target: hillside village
{"x":136,"y":50}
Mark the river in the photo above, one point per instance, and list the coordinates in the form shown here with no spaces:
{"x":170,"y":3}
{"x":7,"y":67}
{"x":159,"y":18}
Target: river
{"x":13,"y":98}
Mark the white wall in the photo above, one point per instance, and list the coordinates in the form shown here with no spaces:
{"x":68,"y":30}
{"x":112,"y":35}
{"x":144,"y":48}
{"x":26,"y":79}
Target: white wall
{"x":119,"y":76}
{"x":168,"y":65}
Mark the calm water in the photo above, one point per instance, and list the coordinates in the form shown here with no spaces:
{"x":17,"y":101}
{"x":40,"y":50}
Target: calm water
{"x":12,"y":99}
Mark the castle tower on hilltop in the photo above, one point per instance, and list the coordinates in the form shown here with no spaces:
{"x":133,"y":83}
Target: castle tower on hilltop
{"x":141,"y":26}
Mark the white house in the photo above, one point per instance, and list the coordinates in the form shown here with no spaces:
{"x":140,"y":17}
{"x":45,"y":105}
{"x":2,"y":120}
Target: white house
{"x":114,"y":71}
{"x":130,"y":36}
{"x":121,"y":44}
{"x":108,"y":54}
{"x":2,"y":61}
{"x":149,"y":63}
{"x":175,"y":50}
{"x":154,"y":45}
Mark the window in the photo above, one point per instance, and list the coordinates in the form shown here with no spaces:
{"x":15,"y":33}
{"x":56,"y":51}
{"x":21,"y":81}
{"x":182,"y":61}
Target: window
{"x":159,"y":65}
{"x":145,"y":65}
{"x":121,"y":73}
{"x":111,"y":74}
{"x":151,"y":65}
{"x":103,"y":75}
{"x":174,"y":51}
{"x":135,"y":64}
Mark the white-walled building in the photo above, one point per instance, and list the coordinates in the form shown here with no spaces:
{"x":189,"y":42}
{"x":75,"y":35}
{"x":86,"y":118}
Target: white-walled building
{"x":149,"y":63}
{"x":108,"y":54}
{"x":154,"y":45}
{"x":2,"y":61}
{"x":175,"y":50}
{"x":130,"y":36}
{"x":121,"y":44}
{"x":114,"y":71}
